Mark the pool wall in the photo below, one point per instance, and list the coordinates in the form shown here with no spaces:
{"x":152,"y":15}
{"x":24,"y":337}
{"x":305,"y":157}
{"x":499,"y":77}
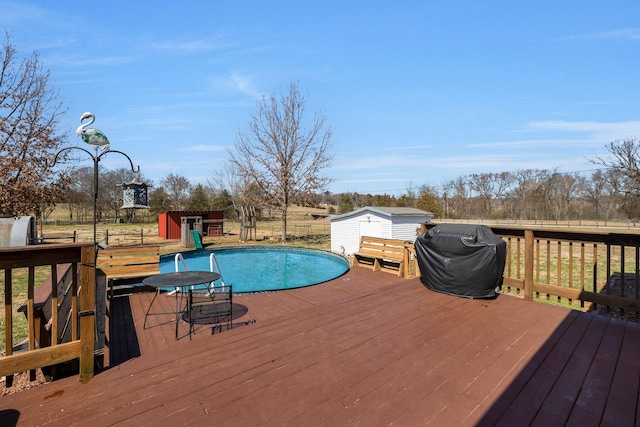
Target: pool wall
{"x":266,"y":268}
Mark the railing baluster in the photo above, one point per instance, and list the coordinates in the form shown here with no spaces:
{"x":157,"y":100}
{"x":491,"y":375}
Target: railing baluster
{"x":74,"y":300}
{"x":548,"y":261}
{"x":8,"y":319}
{"x":595,"y":267}
{"x":570,"y":264}
{"x":623,"y":281}
{"x":637,"y":276}
{"x":583,"y":267}
{"x":32,"y":330}
{"x":509,"y":251}
{"x":606,"y":288}
{"x":518,"y":260}
{"x":537,"y":267}
{"x":30,"y":308}
{"x":54,"y":304}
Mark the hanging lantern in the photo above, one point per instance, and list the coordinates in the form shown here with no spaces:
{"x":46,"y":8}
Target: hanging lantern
{"x":134,"y":195}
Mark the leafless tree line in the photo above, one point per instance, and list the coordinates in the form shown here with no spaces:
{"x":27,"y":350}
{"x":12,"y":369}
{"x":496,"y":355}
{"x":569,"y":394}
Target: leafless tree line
{"x":532,"y":194}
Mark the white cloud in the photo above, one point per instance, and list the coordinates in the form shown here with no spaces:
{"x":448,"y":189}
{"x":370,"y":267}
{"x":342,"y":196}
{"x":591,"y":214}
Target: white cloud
{"x":191,"y":46}
{"x":598,"y":132}
{"x":237,"y":82}
{"x":534,"y":143}
{"x":624,"y":34}
{"x":203,"y":148}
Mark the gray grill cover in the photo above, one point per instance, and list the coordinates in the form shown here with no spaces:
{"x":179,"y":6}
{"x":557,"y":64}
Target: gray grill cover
{"x":465,"y":260}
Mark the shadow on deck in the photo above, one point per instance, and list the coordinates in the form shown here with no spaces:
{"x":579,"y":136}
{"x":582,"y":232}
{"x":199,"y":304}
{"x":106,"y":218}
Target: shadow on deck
{"x":367,"y":348}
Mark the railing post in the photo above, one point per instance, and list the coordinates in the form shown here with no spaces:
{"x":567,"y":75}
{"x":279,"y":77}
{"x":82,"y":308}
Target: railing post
{"x":87,"y":312}
{"x":528,"y":265}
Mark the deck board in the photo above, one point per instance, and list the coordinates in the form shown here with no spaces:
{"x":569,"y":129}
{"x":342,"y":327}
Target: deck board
{"x":365,"y":349}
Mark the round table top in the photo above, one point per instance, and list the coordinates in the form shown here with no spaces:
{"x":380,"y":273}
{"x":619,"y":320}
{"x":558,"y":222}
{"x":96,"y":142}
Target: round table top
{"x":181,"y":279}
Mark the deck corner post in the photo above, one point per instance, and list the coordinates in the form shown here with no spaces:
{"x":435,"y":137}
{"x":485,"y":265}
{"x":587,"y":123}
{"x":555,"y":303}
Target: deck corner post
{"x":87,"y":312}
{"x":528,"y":265}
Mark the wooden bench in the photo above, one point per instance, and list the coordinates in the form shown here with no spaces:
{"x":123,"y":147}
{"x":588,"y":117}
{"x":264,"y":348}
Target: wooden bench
{"x":382,"y":255}
{"x":124,"y":266}
{"x":42,"y":307}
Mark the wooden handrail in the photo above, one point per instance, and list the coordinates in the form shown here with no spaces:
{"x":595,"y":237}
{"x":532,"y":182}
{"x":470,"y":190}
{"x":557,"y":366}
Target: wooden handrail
{"x":587,"y":277}
{"x":83,"y":307}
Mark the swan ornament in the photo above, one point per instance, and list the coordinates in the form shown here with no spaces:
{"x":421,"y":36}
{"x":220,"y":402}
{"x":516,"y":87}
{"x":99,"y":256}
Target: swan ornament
{"x":93,"y":137}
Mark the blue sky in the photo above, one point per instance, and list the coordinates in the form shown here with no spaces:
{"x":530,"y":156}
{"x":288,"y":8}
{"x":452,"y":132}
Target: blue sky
{"x":416,"y":92}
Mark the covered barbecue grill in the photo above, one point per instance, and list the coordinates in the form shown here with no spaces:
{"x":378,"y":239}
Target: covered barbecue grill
{"x":465,"y":260}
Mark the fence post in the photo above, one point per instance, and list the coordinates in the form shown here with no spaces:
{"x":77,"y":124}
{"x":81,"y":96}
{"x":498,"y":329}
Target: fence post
{"x":528,"y":265}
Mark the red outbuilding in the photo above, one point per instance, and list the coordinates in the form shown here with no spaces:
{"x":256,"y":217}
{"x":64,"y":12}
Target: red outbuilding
{"x":208,"y":223}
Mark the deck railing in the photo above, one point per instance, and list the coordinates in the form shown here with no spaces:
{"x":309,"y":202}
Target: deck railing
{"x":587,"y":271}
{"x":598,"y":271}
{"x":23,"y":262}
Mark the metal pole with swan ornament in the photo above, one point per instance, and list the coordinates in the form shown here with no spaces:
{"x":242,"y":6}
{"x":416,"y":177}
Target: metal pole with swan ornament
{"x":99,"y":142}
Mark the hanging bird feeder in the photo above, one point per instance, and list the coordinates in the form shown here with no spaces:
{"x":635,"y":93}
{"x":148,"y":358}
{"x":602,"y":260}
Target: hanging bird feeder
{"x":134,"y":195}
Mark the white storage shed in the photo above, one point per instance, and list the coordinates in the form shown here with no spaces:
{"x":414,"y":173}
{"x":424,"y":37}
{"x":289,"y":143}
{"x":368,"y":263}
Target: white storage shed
{"x":383,"y":222}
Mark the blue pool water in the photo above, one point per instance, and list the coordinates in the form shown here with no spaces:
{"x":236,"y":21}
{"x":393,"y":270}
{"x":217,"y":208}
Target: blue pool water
{"x":265,"y":268}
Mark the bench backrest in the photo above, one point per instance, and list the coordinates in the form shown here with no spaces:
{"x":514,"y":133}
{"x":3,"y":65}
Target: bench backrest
{"x":121,"y":260}
{"x":42,"y":306}
{"x":382,"y":247}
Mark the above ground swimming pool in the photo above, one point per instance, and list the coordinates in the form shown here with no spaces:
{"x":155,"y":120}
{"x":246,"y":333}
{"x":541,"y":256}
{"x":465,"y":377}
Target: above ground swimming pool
{"x":265,"y":268}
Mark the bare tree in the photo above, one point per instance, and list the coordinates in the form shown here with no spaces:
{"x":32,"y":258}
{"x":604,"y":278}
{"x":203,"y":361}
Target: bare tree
{"x":490,"y":187}
{"x":230,"y":180}
{"x":598,"y":192}
{"x":79,"y":194}
{"x":458,"y":195}
{"x":29,"y":114}
{"x":562,"y":190}
{"x":625,"y":160}
{"x":282,"y":158}
{"x":178,"y":188}
{"x":159,"y":201}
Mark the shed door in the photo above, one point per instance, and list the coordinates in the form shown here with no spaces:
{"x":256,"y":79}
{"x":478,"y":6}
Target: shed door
{"x":370,"y":228}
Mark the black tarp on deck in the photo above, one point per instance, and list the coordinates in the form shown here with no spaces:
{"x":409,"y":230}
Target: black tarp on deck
{"x":465,"y":260}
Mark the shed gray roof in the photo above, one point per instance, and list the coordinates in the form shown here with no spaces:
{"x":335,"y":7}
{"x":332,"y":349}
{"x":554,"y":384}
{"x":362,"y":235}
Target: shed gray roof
{"x":385,"y":211}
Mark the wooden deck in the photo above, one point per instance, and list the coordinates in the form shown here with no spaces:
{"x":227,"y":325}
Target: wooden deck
{"x":366,"y":349}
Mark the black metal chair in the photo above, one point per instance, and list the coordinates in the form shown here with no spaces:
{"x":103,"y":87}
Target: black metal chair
{"x":210,"y":306}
